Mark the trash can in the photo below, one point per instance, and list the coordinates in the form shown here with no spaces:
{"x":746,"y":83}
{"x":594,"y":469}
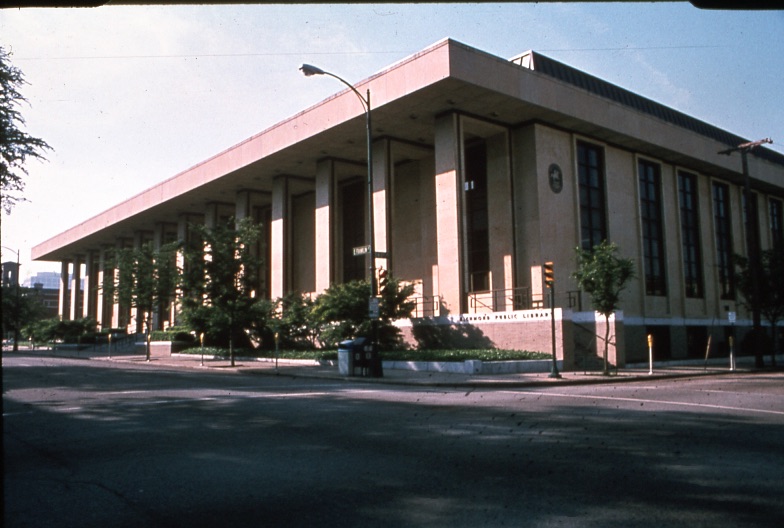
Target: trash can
{"x":346,"y":358}
{"x":359,"y":357}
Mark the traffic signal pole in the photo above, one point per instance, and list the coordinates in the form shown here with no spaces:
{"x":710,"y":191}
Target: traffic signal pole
{"x":549,"y":280}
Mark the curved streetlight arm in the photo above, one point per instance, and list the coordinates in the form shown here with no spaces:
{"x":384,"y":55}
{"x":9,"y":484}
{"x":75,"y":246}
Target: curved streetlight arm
{"x":308,"y":70}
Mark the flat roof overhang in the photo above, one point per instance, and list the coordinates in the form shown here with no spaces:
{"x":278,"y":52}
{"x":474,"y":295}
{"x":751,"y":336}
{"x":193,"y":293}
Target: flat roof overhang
{"x":407,"y":98}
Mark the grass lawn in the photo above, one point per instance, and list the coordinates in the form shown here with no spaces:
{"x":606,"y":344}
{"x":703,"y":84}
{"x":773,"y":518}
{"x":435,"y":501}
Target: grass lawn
{"x":490,"y":354}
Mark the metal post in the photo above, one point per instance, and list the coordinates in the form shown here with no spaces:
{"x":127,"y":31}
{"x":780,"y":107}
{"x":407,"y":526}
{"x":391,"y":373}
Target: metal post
{"x":650,"y":354}
{"x":554,"y":370}
{"x":308,"y":70}
{"x":277,"y":350}
{"x":755,"y":265}
{"x":732,"y":354}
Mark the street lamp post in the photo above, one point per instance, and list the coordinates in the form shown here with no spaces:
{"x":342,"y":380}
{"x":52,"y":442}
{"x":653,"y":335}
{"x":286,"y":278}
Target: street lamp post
{"x":309,"y":70}
{"x":17,"y":301}
{"x":752,"y":242}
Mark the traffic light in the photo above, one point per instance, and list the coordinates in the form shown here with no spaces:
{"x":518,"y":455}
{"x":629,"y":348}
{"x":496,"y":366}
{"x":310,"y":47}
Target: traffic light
{"x":549,"y":274}
{"x":383,"y":280}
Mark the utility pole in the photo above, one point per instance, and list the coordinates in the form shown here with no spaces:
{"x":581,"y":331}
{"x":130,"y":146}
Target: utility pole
{"x":752,"y":242}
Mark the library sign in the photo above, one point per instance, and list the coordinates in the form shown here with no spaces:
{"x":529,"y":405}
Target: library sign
{"x":520,"y":316}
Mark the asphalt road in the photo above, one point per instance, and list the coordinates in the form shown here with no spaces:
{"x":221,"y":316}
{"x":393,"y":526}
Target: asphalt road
{"x":102,"y":444}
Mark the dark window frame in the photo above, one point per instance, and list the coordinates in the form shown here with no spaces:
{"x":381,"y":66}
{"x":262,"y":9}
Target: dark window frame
{"x":776,"y":219}
{"x":477,"y":216}
{"x":593,"y":201}
{"x":722,"y":219}
{"x":691,"y":247}
{"x":353,"y":205}
{"x":652,"y":224}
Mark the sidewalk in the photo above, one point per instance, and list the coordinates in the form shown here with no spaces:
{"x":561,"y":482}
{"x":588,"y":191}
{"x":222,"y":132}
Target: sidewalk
{"x":310,"y":369}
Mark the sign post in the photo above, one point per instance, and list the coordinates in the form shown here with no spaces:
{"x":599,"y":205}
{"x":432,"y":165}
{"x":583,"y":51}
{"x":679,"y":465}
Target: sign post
{"x":732,"y":317}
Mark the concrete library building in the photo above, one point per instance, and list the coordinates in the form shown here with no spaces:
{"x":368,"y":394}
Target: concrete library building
{"x":475,"y":171}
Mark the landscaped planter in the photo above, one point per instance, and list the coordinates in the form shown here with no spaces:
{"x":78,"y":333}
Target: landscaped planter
{"x":475,"y":366}
{"x":162,"y":348}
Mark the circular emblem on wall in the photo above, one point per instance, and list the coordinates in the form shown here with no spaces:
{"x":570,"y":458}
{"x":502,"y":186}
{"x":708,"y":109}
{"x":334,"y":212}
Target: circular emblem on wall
{"x":556,"y":178}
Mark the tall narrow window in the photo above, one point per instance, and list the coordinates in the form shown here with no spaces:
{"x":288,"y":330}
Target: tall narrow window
{"x":590,"y":171}
{"x":478,"y":235}
{"x":652,"y":227}
{"x":722,"y":222}
{"x":353,"y":199}
{"x":776,"y":223}
{"x":690,"y":234}
{"x":751,"y":221}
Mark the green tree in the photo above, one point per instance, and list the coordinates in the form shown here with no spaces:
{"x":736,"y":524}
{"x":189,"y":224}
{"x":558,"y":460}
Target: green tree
{"x":146,"y":280}
{"x":41,"y":331}
{"x":220,"y":283}
{"x":342,"y":312}
{"x":16,"y":146}
{"x":771,"y":296}
{"x":66,"y":331}
{"x":21,"y":308}
{"x":295,"y":323}
{"x":603,"y":275}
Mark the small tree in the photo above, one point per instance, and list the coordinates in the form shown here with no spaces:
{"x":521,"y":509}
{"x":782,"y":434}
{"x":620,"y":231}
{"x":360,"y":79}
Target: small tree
{"x":220,"y":282}
{"x":16,"y":146}
{"x":771,"y":297}
{"x":295,"y":324}
{"x":146,"y":280}
{"x":342,"y":312}
{"x":603,"y":275}
{"x":21,"y":308}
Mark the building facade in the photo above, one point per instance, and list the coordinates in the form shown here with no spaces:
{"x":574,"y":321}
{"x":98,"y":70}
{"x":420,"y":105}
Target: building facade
{"x":483,"y":169}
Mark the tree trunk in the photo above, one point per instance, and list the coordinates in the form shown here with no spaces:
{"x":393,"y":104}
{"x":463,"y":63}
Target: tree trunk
{"x":606,"y":343}
{"x":147,"y":335}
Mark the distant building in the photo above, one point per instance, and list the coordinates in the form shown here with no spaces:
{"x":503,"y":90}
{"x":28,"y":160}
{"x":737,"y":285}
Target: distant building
{"x":483,"y":169}
{"x":10,"y":274}
{"x":48,"y":280}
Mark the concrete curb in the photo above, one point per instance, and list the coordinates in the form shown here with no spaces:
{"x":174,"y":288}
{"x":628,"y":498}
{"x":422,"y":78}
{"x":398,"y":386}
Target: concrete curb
{"x":310,"y":369}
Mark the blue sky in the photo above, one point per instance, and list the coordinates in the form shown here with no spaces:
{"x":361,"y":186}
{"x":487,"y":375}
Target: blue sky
{"x":130,"y":95}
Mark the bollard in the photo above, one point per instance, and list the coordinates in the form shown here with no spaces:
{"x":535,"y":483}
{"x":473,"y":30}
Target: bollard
{"x":650,"y":354}
{"x":732,"y":354}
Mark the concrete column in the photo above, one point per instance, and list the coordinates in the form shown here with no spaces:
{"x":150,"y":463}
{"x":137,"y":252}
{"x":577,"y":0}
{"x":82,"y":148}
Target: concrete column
{"x":118,"y":319}
{"x":100,"y":294}
{"x":500,"y":220}
{"x":184,"y":237}
{"x":325,"y":224}
{"x":76,"y":280}
{"x":382,"y":210}
{"x":63,"y":306}
{"x":158,"y":239}
{"x":242,"y":205}
{"x":137,"y":317}
{"x":448,"y":212}
{"x":279,"y":242}
{"x":211,"y":214}
{"x":88,"y":295}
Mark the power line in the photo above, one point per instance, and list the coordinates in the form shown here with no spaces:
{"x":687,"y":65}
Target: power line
{"x":309,"y":53}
